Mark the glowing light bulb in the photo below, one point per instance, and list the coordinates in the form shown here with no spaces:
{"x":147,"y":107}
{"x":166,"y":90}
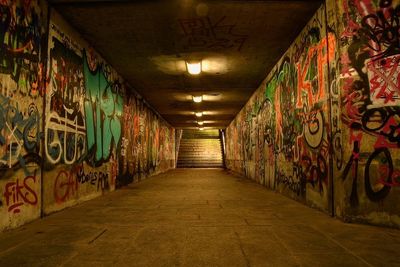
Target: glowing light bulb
{"x":199,"y":114}
{"x":200,"y":122}
{"x":194,"y":68}
{"x":197,"y":99}
{"x":201,"y":128}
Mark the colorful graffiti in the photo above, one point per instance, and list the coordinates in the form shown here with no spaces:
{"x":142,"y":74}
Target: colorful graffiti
{"x":84,"y":105}
{"x":282,"y":137}
{"x":87,"y":139}
{"x":148,"y":143}
{"x":370,"y":70}
{"x":21,"y":85}
{"x":19,"y":134}
{"x":97,"y":136}
{"x":65,"y":129}
{"x":21,"y":34}
{"x":103,"y":111}
{"x":327,"y":117}
{"x":68,"y":182}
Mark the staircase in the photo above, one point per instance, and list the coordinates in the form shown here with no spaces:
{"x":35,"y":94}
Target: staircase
{"x":200,"y":149}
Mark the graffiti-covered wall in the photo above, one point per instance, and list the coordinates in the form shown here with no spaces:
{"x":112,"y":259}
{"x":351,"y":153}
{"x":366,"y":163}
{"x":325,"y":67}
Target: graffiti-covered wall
{"x":280,"y":138}
{"x":98,"y":133}
{"x":365,"y":89}
{"x":148,"y":143}
{"x":324,"y":126}
{"x":71,"y":129}
{"x":83,"y":120}
{"x":22,"y":41}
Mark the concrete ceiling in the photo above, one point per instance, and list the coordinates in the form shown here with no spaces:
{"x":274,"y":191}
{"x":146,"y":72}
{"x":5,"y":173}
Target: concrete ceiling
{"x":147,"y":42}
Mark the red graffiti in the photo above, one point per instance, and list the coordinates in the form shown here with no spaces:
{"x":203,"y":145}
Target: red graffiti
{"x":355,"y":137}
{"x":390,"y":128}
{"x":364,"y":8}
{"x":17,"y":194}
{"x":384,"y":80}
{"x":395,"y":178}
{"x":353,"y":103}
{"x":66,"y":184}
{"x":352,"y":26}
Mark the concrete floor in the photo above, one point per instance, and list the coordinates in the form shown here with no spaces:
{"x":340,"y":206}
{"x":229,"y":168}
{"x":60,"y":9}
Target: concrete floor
{"x":196,"y":217}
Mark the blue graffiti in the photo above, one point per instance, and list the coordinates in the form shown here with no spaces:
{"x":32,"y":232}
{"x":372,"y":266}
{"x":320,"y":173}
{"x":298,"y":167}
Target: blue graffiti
{"x":19,"y":135}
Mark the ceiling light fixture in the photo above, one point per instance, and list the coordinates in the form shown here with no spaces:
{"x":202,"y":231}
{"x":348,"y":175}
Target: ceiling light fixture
{"x":197,"y":99}
{"x":193,"y":67}
{"x":200,"y":122}
{"x":199,"y":114}
{"x":201,"y":128}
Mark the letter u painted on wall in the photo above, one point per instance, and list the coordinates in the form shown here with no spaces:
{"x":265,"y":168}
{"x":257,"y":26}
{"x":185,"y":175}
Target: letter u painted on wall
{"x":103,"y":111}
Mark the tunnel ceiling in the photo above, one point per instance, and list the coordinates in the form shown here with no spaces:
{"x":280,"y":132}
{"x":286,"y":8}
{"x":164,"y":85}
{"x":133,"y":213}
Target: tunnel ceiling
{"x":147,"y":42}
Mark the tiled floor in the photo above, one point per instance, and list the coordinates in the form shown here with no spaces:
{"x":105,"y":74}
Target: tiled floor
{"x":196,"y":217}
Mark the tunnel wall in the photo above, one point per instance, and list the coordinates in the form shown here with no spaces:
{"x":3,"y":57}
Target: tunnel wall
{"x":365,"y":99}
{"x":323,"y":127}
{"x":22,"y":60}
{"x":71,"y":129}
{"x":270,"y":141}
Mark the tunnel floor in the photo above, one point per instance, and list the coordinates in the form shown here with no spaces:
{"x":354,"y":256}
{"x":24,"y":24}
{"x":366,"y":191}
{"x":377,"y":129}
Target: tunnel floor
{"x":196,"y":217}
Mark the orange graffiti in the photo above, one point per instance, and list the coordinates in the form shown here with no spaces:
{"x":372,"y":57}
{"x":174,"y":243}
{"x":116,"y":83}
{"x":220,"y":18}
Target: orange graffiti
{"x":324,"y":51}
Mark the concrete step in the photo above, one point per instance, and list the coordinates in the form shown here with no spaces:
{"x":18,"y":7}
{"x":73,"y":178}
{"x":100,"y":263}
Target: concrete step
{"x":200,"y":149}
{"x":200,"y":166}
{"x":196,"y":157}
{"x":199,"y":161}
{"x":181,"y":167}
{"x":200,"y":158}
{"x":196,"y":134}
{"x":198,"y":141}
